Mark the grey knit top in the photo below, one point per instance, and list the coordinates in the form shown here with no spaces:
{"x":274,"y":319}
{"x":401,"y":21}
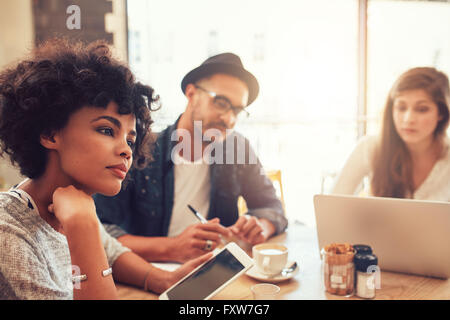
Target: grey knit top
{"x":34,"y":258}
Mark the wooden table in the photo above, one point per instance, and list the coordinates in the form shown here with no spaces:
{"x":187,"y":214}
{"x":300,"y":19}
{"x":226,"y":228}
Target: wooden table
{"x":308,"y":283}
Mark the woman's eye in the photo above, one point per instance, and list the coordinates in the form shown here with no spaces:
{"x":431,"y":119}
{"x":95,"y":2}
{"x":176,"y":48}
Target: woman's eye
{"x":106,"y":131}
{"x":131,"y":143}
{"x":422,"y":109}
{"x":400,"y":108}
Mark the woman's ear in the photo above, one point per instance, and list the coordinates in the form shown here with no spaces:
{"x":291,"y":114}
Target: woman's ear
{"x":49,"y":141}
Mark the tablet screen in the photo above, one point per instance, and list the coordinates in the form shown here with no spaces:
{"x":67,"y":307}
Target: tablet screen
{"x":208,"y":278}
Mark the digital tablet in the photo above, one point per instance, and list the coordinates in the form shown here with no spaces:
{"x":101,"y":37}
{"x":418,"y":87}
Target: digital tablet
{"x":211,"y":277}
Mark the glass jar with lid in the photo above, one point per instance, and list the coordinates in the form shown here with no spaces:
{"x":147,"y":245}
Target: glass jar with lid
{"x":367,"y":271}
{"x":338,"y":268}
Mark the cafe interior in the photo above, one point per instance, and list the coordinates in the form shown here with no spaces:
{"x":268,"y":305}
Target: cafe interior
{"x":325,"y":69}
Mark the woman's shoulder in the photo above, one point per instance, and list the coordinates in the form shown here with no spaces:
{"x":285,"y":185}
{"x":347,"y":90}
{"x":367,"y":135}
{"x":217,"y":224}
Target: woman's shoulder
{"x":366,"y":145}
{"x":368,"y":141}
{"x":9,"y":207}
{"x":446,"y":152}
{"x":444,"y":161}
{"x":13,"y":219}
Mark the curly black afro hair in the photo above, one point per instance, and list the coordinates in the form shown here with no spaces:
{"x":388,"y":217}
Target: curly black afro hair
{"x":39,"y":94}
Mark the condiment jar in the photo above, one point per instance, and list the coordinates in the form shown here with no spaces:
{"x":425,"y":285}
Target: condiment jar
{"x":362,"y":248}
{"x":366,"y":266}
{"x":338,"y":269}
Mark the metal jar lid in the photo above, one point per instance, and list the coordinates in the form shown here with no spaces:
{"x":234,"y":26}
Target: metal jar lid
{"x":362,"y":248}
{"x":364,"y":261}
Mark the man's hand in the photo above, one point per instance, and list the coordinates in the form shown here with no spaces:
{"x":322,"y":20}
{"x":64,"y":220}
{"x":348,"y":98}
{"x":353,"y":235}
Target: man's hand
{"x":192,"y":242}
{"x":252,"y":230}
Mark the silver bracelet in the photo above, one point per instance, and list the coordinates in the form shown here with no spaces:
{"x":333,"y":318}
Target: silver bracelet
{"x":107,"y":272}
{"x":83,"y":277}
{"x":80,"y":278}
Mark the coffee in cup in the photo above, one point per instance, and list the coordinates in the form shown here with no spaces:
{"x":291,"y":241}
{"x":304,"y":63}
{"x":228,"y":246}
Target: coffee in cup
{"x":270,"y":258}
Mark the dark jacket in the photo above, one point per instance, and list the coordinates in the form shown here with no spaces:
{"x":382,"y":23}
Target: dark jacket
{"x":144,"y":206}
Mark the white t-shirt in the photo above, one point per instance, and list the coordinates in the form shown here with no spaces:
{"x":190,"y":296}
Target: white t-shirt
{"x":435,"y":187}
{"x":192,"y":186}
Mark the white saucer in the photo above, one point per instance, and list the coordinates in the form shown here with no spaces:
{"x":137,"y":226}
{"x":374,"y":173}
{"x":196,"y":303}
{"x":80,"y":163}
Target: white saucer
{"x":255,"y":274}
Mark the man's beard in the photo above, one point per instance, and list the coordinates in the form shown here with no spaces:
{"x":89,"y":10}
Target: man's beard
{"x":211,"y":127}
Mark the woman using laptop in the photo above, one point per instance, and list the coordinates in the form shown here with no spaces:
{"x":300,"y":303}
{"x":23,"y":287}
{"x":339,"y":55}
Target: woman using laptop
{"x":411,"y":157}
{"x":73,"y":119}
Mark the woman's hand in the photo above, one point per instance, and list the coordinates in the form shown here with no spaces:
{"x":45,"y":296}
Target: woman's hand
{"x":163,"y":280}
{"x":75,"y":211}
{"x":72,"y":205}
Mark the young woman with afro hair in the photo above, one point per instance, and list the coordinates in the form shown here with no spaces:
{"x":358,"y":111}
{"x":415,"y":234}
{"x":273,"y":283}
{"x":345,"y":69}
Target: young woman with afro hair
{"x":74,"y":120}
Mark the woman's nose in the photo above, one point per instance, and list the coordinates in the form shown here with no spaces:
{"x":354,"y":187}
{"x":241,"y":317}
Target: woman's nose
{"x":409,"y":116}
{"x":125,"y":150}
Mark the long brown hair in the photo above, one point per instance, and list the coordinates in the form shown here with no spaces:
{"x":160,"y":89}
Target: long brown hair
{"x":392,"y":163}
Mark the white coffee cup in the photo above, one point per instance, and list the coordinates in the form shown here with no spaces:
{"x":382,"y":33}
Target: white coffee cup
{"x":265,"y":291}
{"x":270,"y":258}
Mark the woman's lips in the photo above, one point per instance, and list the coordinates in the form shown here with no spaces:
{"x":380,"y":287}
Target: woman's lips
{"x":409,"y":131}
{"x":119,"y":171}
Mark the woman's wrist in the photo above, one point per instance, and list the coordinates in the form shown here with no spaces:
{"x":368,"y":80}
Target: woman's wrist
{"x":158,"y":280}
{"x":80,"y":225}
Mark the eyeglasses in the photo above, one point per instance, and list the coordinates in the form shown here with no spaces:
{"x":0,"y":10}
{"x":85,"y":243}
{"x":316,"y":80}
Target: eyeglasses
{"x":223,"y":104}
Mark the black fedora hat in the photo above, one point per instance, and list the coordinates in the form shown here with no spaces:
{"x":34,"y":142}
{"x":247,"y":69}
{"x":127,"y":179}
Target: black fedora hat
{"x":227,"y":63}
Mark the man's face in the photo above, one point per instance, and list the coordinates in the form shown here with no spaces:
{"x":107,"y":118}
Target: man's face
{"x":204,"y":108}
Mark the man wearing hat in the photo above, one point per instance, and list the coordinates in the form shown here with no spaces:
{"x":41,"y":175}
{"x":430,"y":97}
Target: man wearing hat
{"x":151,"y":215}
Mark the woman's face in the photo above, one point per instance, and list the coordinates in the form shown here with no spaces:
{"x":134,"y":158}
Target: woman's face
{"x":95,"y":148}
{"x":415,"y":116}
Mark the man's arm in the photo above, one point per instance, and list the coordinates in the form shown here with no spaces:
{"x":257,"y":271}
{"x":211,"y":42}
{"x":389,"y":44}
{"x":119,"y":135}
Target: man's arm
{"x":112,"y":212}
{"x":122,"y":210}
{"x":150,"y":248}
{"x":188,"y":245}
{"x":265,"y":216}
{"x":260,"y":195}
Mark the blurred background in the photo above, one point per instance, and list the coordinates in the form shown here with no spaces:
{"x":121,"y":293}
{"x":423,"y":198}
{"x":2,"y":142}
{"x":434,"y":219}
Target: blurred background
{"x":324,"y":66}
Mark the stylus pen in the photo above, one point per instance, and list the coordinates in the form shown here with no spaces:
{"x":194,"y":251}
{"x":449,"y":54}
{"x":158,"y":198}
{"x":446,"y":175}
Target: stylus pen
{"x":203,"y":220}
{"x":198,"y":215}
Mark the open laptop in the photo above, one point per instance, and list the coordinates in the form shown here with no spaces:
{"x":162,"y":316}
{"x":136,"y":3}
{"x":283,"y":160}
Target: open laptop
{"x":409,"y":236}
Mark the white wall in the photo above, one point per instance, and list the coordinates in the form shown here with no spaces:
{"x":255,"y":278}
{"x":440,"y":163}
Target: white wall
{"x":16,"y":39}
{"x":116,"y":23}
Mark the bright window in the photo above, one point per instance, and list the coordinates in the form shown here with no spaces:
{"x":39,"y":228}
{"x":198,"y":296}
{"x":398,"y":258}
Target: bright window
{"x":403,"y":35}
{"x":305,"y":56}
